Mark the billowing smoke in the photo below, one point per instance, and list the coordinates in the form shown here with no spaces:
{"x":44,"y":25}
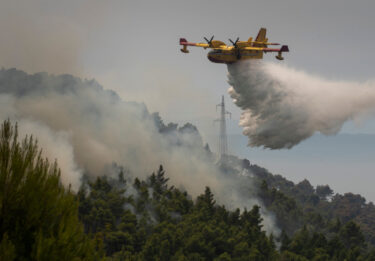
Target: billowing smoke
{"x":98,"y":129}
{"x":282,"y":106}
{"x":91,"y":130}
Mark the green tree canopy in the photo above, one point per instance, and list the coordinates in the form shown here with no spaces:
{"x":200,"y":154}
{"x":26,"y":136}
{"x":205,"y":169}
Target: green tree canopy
{"x":38,"y":216}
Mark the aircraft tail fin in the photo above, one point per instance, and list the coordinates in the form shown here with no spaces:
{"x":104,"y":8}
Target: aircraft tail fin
{"x":261,"y":37}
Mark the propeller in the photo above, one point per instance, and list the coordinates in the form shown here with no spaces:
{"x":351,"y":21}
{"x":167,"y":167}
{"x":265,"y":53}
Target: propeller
{"x":209,"y":41}
{"x":234,"y":43}
{"x":237,"y":50}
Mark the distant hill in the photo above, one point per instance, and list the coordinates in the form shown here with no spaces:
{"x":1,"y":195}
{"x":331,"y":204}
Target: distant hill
{"x":335,"y":160}
{"x":301,"y":204}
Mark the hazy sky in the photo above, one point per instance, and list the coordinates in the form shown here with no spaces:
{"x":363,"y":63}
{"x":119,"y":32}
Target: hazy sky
{"x":132,"y":47}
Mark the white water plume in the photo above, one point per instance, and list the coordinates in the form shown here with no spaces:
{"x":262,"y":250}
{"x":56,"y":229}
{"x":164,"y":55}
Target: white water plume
{"x":282,"y":106}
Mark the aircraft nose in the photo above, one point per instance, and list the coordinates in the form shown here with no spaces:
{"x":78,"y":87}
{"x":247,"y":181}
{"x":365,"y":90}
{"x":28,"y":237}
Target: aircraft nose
{"x":212,"y":57}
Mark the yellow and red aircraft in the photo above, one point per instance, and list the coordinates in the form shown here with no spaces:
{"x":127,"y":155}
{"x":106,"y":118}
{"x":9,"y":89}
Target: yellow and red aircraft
{"x":240,"y":50}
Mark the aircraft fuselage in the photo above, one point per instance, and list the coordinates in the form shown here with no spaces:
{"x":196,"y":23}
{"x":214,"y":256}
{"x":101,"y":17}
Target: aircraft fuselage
{"x":232,"y":56}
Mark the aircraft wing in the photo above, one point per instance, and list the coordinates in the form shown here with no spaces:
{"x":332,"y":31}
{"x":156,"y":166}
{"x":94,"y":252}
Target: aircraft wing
{"x":283,"y":48}
{"x":184,"y":42}
{"x":213,"y":44}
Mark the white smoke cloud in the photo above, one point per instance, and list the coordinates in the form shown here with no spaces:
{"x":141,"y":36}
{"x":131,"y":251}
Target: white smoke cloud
{"x":282,"y":106}
{"x":87,"y":129}
{"x":55,"y":145}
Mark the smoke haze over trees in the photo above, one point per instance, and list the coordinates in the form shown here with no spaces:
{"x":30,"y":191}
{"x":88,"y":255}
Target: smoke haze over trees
{"x":190,"y":208}
{"x":96,"y":128}
{"x":92,"y":130}
{"x":134,"y":219}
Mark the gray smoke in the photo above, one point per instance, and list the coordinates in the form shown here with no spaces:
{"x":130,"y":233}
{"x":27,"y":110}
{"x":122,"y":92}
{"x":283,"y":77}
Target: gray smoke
{"x":98,"y":129}
{"x":89,"y":130}
{"x":282,"y":106}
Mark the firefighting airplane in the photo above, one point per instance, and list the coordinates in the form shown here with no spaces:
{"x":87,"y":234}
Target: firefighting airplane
{"x":240,"y":50}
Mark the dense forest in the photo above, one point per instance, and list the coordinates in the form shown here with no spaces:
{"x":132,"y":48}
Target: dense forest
{"x":124,"y":218}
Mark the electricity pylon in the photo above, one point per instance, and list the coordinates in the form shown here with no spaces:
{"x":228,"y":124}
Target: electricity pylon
{"x":223,"y":142}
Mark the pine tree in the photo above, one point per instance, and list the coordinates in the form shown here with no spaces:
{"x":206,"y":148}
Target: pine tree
{"x":38,"y":216}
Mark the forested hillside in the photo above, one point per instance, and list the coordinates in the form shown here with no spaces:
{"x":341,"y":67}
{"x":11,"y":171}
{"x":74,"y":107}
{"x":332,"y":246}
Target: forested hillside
{"x":120,"y":217}
{"x":319,"y":208}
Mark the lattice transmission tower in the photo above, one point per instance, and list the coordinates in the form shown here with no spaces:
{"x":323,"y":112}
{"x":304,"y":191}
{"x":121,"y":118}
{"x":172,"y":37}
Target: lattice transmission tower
{"x":223,"y":142}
